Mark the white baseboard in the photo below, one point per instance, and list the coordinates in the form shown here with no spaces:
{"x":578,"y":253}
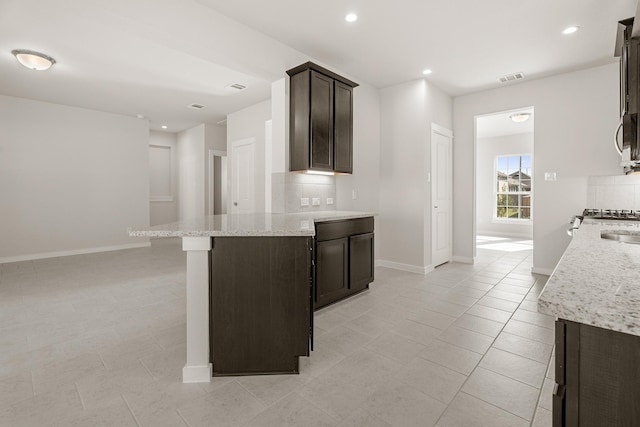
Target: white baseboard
{"x":56,"y":254}
{"x":463,"y":259}
{"x":404,"y":267}
{"x":505,"y":234}
{"x":543,"y":271}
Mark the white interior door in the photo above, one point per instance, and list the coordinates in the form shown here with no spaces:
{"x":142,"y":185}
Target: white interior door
{"x":243,"y":176}
{"x":441,"y":185}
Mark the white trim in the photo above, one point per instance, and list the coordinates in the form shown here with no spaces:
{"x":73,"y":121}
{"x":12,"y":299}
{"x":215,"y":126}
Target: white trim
{"x":441,"y":130}
{"x":504,"y":234}
{"x":57,"y":254}
{"x":161,"y":199}
{"x":196,"y":243}
{"x":464,"y":259}
{"x":404,"y":267}
{"x":543,"y":271}
{"x":197,"y":374}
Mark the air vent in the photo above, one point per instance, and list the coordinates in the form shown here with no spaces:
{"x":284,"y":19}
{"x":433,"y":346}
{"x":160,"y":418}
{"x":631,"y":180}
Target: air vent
{"x":196,"y":106}
{"x":237,"y":86}
{"x":511,"y":77}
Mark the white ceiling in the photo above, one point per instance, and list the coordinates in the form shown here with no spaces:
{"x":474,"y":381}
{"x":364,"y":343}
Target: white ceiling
{"x":154,"y":58}
{"x":500,"y":124}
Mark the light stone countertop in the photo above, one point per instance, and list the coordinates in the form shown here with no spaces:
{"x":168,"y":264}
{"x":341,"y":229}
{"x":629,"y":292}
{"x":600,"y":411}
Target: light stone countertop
{"x":255,"y":224}
{"x":597,"y":281}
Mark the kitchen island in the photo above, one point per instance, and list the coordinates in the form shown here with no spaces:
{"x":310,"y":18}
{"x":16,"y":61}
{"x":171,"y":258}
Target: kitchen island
{"x":288,"y":234}
{"x":595,"y":294}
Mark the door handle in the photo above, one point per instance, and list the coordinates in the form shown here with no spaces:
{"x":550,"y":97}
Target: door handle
{"x":436,"y":207}
{"x":235,"y":203}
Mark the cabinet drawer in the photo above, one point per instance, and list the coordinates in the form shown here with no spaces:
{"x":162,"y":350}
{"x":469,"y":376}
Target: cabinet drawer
{"x":343,"y":228}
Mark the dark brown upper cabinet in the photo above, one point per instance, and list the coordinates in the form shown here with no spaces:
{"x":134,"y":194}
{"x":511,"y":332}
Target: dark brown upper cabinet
{"x":321,"y":120}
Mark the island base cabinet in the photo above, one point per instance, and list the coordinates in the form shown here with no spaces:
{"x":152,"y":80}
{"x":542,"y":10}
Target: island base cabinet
{"x":597,"y":377}
{"x":260,"y":304}
{"x":332,"y":272}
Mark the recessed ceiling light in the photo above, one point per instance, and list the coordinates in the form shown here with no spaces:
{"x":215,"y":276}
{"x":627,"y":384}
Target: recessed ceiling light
{"x":520,"y":117}
{"x":570,"y":30}
{"x":163,"y":127}
{"x":427,"y":71}
{"x":351,"y":17}
{"x":33,"y":60}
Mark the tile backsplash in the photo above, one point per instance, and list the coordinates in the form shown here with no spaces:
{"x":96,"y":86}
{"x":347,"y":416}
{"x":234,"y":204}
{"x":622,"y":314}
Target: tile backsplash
{"x":614,"y":192}
{"x":289,"y":187}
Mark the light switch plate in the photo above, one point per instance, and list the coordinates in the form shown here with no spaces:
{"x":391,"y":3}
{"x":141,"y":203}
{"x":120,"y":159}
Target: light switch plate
{"x":354,"y":194}
{"x":329,"y":200}
{"x":304,"y":201}
{"x":315,"y":201}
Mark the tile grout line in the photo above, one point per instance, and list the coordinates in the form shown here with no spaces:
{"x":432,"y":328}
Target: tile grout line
{"x":483,"y":356}
{"x":130,"y":410}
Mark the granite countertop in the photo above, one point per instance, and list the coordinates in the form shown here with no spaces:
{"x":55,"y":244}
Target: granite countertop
{"x":255,"y":224}
{"x":597,"y":281}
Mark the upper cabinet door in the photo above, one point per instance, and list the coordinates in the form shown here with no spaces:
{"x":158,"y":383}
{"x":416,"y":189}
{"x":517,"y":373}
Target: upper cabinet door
{"x":343,"y":128}
{"x":321,"y":122}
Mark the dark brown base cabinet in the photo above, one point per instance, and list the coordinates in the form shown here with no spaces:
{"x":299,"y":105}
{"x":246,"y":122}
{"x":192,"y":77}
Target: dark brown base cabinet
{"x":260,"y":304}
{"x":344,"y":259}
{"x":597,"y":377}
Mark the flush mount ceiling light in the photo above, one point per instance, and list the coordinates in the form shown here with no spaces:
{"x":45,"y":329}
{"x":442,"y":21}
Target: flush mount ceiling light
{"x":427,"y":72}
{"x":520,"y":117}
{"x":163,"y":126}
{"x":33,"y":60}
{"x":570,"y":30}
{"x":351,"y":17}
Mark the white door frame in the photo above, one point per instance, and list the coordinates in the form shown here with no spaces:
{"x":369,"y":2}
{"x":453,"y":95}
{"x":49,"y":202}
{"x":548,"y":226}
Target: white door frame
{"x":440,"y":130}
{"x":211,"y":177}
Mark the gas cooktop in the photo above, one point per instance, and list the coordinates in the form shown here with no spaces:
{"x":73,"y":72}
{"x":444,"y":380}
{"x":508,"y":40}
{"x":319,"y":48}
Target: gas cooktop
{"x":627,"y":215}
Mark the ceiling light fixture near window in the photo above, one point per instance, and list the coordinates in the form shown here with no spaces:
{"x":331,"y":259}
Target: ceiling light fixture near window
{"x":427,"y":72}
{"x":33,"y":60}
{"x":163,"y":126}
{"x":520,"y":117}
{"x":351,"y":17}
{"x":570,"y":30}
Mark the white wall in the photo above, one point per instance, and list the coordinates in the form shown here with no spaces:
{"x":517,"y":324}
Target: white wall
{"x":576,"y":114}
{"x":72,"y":180}
{"x":366,"y":154}
{"x":487,"y":151}
{"x":403,"y":227}
{"x":162,"y":212}
{"x":249,"y":123}
{"x":191,"y":173}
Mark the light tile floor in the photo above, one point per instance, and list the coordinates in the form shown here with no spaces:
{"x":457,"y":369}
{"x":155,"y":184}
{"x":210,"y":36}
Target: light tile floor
{"x":99,"y":340}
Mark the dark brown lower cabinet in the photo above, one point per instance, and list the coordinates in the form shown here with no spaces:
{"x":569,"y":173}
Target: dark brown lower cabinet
{"x":597,"y":377}
{"x":260,"y":290}
{"x":344,"y":259}
{"x":332,"y":271}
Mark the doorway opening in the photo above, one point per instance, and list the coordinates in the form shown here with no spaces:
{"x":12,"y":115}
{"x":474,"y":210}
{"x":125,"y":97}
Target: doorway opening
{"x":217,"y":180}
{"x":504,"y":185}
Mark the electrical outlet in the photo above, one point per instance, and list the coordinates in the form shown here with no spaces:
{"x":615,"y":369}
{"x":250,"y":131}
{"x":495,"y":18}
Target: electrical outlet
{"x":550,"y":176}
{"x":315,"y":201}
{"x":329,"y":200}
{"x":304,"y":201}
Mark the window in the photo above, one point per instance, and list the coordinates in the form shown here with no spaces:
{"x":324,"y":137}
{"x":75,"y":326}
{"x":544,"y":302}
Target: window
{"x":513,"y":187}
